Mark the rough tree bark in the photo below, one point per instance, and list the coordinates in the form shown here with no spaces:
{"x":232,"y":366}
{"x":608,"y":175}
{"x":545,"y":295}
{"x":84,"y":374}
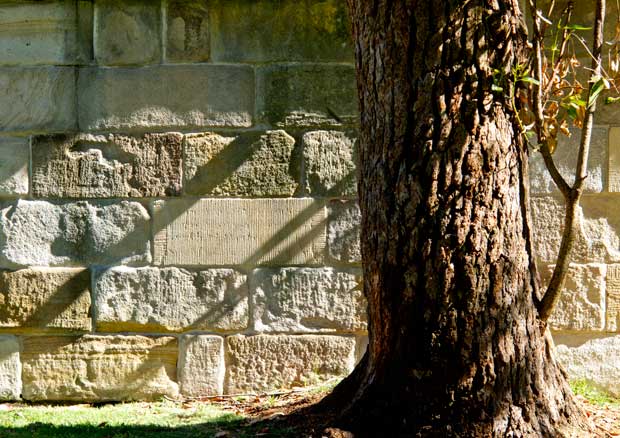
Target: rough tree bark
{"x":456,"y":345}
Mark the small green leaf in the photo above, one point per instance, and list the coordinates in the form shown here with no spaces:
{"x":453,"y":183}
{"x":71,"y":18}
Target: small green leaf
{"x":530,"y":80}
{"x":610,"y":100}
{"x":597,"y":88}
{"x":496,"y":88}
{"x":576,"y":27}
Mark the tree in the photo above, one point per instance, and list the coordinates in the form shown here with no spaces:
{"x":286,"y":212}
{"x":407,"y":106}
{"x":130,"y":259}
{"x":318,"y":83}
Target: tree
{"x":458,"y":340}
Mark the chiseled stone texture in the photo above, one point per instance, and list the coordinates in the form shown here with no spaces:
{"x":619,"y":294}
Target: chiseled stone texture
{"x":614,"y":159}
{"x":95,"y":166}
{"x":201,"y":365}
{"x":252,"y":165}
{"x":308,"y":300}
{"x":582,"y":302}
{"x":40,"y":233}
{"x":127,"y":32}
{"x":10,"y":369}
{"x":245,"y":232}
{"x":37,"y":98}
{"x":565,"y":158}
{"x":166,"y":96}
{"x":329,"y":164}
{"x":45,"y":299}
{"x":343,"y":232}
{"x":188,"y":30}
{"x":289,"y":30}
{"x":612,"y":323}
{"x":170,"y":299}
{"x":14,"y":162}
{"x":98,"y":368}
{"x":596,"y":361}
{"x":307,"y":95}
{"x":597,"y":238}
{"x":270,"y":362}
{"x":42,"y":32}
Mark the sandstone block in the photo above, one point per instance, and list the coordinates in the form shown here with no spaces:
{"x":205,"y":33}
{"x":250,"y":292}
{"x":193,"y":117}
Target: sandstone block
{"x":201,"y":365}
{"x":289,"y":30}
{"x":10,"y":369}
{"x":582,"y":302}
{"x":170,"y":299}
{"x":39,"y":233}
{"x":99,"y":368}
{"x":614,"y":159}
{"x":188,"y":31}
{"x":250,"y":165}
{"x":266,"y":363}
{"x":166,"y":97}
{"x":41,"y":33}
{"x":96,"y":166}
{"x":597,"y":361}
{"x":343,"y":232}
{"x":613,"y":298}
{"x":308,"y":300}
{"x":14,"y":161}
{"x":565,"y":158}
{"x":31,"y":97}
{"x":127,"y":32}
{"x":329,"y":164}
{"x":246,"y":232}
{"x":45,"y":299}
{"x":307,"y":95}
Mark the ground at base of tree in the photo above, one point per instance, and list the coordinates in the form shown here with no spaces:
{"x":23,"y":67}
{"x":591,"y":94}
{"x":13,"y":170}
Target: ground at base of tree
{"x":281,"y":415}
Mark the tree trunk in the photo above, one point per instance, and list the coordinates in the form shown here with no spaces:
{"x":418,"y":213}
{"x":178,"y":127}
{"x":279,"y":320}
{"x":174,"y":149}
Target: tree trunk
{"x":456,"y":346}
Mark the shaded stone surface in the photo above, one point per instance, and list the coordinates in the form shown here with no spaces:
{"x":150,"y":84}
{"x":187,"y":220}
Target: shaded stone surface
{"x":30,"y":99}
{"x":272,"y":362}
{"x":100,"y":368}
{"x":10,"y":369}
{"x":127,"y":32}
{"x":582,"y":302}
{"x":41,"y":233}
{"x":188,"y":30}
{"x":14,"y":162}
{"x":289,"y":30}
{"x":166,"y":96}
{"x":45,"y":299}
{"x":257,"y":164}
{"x":612,"y":311}
{"x":201,"y":365}
{"x":99,"y":166}
{"x":329,"y":163}
{"x":308,"y":300}
{"x":343,"y":232}
{"x":307,"y":95}
{"x":216,"y":232}
{"x":170,"y":299}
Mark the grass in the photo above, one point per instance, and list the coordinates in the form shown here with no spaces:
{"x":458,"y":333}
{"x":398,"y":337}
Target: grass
{"x":592,"y":393}
{"x":129,"y":420}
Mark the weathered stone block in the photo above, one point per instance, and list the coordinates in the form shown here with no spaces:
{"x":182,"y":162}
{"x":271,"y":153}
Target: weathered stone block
{"x":166,"y":96}
{"x":170,"y":299}
{"x":246,"y":232}
{"x":597,"y":238}
{"x":308,"y":300}
{"x":258,"y":165}
{"x":45,"y":299}
{"x":329,"y":164}
{"x":565,"y":158}
{"x":39,"y":233}
{"x":41,"y":33}
{"x":201,"y":365}
{"x":613,"y":298}
{"x":99,"y":166}
{"x":14,"y":161}
{"x":307,"y":95}
{"x":343,"y":232}
{"x":582,"y":302}
{"x":597,"y":360}
{"x":127,"y":32}
{"x":269,"y":362}
{"x":38,"y":98}
{"x":290,"y":30}
{"x":10,"y":369}
{"x":614,"y":159}
{"x":99,"y":368}
{"x":188,"y":31}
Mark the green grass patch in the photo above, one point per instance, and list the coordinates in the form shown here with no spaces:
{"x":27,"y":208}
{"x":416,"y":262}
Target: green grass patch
{"x":592,"y":393}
